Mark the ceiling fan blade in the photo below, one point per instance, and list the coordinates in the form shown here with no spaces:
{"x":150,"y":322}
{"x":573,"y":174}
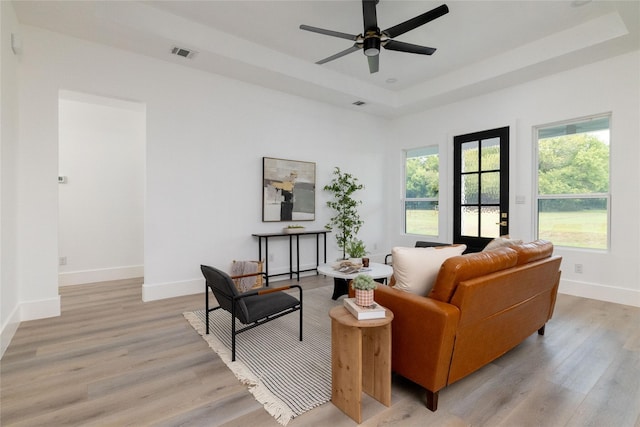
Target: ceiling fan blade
{"x":339,"y":54}
{"x":328,"y":32}
{"x":369,"y":15}
{"x":408,"y":47}
{"x":419,"y":20}
{"x":374,"y":63}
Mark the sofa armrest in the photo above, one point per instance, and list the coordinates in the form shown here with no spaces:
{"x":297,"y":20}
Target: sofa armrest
{"x":423,"y":334}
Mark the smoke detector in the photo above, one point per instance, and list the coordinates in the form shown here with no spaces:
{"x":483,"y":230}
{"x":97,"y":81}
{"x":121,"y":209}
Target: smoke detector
{"x":181,"y":51}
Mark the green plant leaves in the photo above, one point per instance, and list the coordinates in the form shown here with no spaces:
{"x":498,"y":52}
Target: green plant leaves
{"x":347,"y":221}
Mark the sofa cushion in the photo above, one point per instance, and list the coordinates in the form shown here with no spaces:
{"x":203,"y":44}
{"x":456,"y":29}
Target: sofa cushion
{"x":533,"y":251}
{"x":415,"y":269}
{"x":502,"y":242}
{"x":464,"y":267}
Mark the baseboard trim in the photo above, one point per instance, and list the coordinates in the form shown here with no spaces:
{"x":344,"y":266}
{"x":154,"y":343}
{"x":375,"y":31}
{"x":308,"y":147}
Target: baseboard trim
{"x":40,"y":309}
{"x":9,"y":330}
{"x":157,"y":291}
{"x":29,"y":310}
{"x":100,"y":275}
{"x":600,"y":292}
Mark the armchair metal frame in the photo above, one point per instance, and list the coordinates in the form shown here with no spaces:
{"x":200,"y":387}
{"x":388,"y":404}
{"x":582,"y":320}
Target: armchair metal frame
{"x":233,"y":299}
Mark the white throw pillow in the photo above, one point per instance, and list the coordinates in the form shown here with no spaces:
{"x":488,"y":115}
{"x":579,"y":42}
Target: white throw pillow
{"x":501,"y":242}
{"x":416,"y":269}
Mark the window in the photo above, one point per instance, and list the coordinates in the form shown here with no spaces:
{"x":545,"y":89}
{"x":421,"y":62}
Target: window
{"x":421,"y":187}
{"x":573,"y":183}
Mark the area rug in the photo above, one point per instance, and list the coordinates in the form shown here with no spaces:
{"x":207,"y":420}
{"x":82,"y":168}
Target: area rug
{"x":287,"y":376}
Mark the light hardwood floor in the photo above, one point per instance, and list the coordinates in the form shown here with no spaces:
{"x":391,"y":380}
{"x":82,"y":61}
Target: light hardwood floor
{"x":111,"y":359}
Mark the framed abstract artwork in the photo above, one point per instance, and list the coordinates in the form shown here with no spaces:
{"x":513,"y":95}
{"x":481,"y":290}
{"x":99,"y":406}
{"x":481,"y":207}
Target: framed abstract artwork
{"x":288,"y":190}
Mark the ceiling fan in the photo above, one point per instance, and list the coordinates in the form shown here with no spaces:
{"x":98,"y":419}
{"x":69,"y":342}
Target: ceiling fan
{"x":372,"y":38}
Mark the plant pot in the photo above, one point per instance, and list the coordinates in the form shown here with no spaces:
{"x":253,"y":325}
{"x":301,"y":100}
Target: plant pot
{"x":364,"y":298}
{"x":293,"y":230}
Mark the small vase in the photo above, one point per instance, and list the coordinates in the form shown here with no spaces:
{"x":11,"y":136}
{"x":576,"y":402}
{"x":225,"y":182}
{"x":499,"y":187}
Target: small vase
{"x":364,"y":298}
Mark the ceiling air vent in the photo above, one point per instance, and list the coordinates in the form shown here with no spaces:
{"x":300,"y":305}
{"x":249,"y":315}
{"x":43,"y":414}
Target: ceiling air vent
{"x":359,"y":103}
{"x":185,"y":53}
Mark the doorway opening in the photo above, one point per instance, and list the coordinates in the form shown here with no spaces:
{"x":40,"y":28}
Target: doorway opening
{"x":101,"y":188}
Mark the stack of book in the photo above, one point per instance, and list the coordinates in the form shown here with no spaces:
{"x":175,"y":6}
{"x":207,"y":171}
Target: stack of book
{"x":375,"y":311}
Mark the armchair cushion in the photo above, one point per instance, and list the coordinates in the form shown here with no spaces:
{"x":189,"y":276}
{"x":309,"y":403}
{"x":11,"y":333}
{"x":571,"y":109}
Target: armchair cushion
{"x":415,"y":269}
{"x":261,"y":306}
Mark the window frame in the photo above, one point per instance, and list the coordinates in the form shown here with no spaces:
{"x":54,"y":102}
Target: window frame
{"x":537,"y":197}
{"x":404,"y":199}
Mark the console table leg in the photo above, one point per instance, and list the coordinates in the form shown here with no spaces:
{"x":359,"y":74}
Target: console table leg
{"x":266,"y":254}
{"x":298,"y":257}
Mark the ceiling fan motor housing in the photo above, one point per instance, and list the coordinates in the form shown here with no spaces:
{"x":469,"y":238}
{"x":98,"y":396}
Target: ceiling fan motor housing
{"x":371,"y":45}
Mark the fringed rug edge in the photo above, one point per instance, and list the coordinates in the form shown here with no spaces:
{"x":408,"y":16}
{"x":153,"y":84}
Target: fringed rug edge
{"x":271,"y":403}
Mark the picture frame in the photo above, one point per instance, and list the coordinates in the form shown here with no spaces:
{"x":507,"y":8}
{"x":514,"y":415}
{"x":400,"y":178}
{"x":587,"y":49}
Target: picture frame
{"x":288,"y":190}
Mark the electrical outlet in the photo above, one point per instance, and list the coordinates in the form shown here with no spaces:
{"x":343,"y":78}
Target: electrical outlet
{"x":578,"y":268}
{"x":62,"y":260}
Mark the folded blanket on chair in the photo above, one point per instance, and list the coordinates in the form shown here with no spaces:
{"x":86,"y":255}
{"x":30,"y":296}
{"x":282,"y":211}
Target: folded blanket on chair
{"x":238,"y":268}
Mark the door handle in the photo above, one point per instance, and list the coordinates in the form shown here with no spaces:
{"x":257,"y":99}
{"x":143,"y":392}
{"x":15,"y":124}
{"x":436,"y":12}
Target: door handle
{"x":502,"y":223}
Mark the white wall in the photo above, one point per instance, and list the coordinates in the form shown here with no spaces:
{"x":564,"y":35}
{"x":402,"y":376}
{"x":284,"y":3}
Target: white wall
{"x":9,"y":289}
{"x":101,"y":205}
{"x":610,"y":86}
{"x":206,"y":136}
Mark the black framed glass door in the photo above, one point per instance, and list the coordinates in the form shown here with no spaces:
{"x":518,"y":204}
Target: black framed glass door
{"x":481,"y":187}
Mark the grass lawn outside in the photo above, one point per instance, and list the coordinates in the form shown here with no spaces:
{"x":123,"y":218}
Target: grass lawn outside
{"x":581,"y":229}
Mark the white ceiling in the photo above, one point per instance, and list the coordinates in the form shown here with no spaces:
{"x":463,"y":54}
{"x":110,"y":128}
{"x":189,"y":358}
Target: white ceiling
{"x":482,"y":45}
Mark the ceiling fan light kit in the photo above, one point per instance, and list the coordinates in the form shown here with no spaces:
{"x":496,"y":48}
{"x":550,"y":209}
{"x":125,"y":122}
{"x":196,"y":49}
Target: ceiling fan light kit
{"x":371,"y":39}
{"x":371,"y":46}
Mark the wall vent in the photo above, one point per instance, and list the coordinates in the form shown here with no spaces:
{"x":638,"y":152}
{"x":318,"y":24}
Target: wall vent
{"x":185,"y":53}
{"x":359,"y":103}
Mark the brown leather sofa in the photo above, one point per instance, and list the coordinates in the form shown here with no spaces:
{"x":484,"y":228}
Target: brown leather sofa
{"x":481,"y":306}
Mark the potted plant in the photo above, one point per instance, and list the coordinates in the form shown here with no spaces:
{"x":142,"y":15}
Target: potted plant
{"x":347,"y":221}
{"x":295,"y":228}
{"x":356,"y":249}
{"x":364,"y":285}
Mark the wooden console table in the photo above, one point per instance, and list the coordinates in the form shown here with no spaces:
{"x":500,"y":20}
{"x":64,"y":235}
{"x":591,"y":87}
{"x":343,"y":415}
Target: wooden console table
{"x":360,"y":360}
{"x":291,"y":236}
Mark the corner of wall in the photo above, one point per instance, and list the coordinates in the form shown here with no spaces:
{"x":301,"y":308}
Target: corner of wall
{"x":9,"y":330}
{"x":30,"y":310}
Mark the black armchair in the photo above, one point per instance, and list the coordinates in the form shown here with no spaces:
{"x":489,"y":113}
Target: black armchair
{"x":252,"y":308}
